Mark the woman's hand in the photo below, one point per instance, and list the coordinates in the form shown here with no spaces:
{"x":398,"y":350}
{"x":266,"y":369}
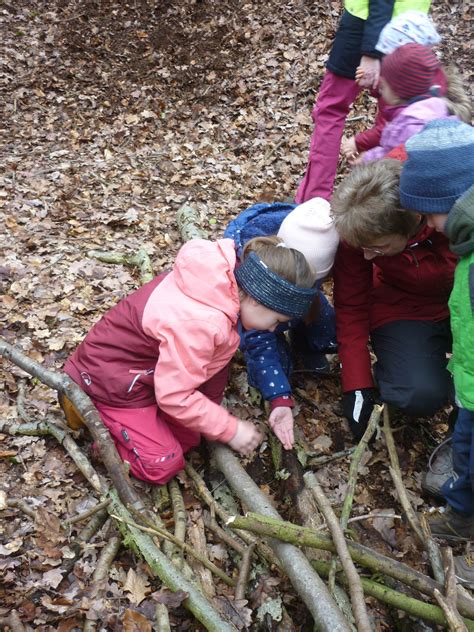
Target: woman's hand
{"x":281,"y":422}
{"x":246,"y":439}
{"x":368,"y":72}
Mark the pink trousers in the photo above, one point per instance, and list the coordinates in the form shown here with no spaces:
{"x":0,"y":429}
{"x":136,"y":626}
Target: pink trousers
{"x":152,"y":442}
{"x":335,"y":98}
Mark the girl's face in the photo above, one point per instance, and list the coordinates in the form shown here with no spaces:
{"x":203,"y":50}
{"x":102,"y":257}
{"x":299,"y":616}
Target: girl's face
{"x":387,"y":93}
{"x":254,"y":315}
{"x":437,"y":221}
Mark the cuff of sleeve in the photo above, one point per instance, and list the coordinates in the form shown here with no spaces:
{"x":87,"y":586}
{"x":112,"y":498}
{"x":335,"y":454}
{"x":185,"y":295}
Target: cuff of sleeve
{"x":284,"y":400}
{"x":229,"y":432}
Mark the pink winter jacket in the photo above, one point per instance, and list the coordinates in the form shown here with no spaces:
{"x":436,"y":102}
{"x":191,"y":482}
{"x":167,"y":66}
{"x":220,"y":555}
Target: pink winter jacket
{"x":163,"y":342}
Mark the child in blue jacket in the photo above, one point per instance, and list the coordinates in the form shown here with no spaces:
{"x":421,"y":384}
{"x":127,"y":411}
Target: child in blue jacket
{"x":309,"y":229}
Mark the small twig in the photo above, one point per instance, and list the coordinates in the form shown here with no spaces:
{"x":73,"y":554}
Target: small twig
{"x":179,"y":511}
{"x":244,"y":573}
{"x":101,"y":571}
{"x":89,"y":512}
{"x":162,"y":618}
{"x":323,"y":460}
{"x":352,"y":481}
{"x":451,"y":592}
{"x":163,"y":533}
{"x":355,"y":586}
{"x":454,"y":624}
{"x":359,"y":518}
{"x":212,"y":525}
{"x":20,"y":402}
{"x":418,"y":525}
{"x":16,"y":503}
{"x":204,"y":493}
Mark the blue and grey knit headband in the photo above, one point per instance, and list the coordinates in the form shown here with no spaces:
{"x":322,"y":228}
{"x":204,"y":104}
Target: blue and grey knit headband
{"x":271,"y":290}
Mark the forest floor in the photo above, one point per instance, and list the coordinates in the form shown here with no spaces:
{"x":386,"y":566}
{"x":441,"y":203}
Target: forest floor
{"x":114,"y":114}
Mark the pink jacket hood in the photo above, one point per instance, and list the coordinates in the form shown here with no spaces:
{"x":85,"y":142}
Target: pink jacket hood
{"x":193,"y":314}
{"x":204,"y":271}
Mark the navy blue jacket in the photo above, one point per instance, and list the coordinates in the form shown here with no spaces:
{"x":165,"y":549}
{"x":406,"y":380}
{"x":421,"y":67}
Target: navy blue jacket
{"x":356,"y":37}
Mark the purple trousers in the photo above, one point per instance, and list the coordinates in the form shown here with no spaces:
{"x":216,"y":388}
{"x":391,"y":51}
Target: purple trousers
{"x":335,"y":98}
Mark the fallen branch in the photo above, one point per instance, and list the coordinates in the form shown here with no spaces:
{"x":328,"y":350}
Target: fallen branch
{"x":301,"y":536}
{"x":198,"y":542}
{"x":83,"y":404}
{"x":245,"y":568}
{"x":169,"y":575}
{"x":89,"y":513}
{"x":352,"y":481}
{"x":411,"y":606}
{"x":189,"y":223}
{"x":422,"y":534}
{"x":163,"y":533}
{"x":204,"y":493}
{"x":353,"y":579}
{"x":64,"y":438}
{"x":140,"y":260}
{"x":162,"y":618}
{"x":306,"y":582}
{"x":101,"y":572}
{"x":449,"y":603}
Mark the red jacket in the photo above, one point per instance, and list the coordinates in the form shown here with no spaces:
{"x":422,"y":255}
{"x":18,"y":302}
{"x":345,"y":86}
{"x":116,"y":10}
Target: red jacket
{"x":413,"y":285}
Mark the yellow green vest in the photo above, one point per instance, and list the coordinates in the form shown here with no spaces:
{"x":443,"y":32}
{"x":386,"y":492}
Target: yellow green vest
{"x":360,"y":8}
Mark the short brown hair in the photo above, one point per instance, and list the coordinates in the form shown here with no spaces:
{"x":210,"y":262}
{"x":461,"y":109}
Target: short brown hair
{"x":366,"y":204}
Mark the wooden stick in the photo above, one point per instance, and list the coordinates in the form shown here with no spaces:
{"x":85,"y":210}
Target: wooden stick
{"x":163,"y":533}
{"x":305,"y":580}
{"x":352,"y":481}
{"x":101,"y":572}
{"x":421,"y":529}
{"x":89,"y":512}
{"x":204,"y":493}
{"x":245,"y":568}
{"x":302,"y":536}
{"x":353,"y":579}
{"x":140,"y":260}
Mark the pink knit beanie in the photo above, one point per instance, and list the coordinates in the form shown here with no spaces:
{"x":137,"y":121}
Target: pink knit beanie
{"x":309,"y":228}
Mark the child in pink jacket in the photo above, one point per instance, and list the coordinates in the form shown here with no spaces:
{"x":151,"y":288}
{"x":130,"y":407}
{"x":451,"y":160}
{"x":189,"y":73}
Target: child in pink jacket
{"x":156,"y":364}
{"x":408,"y":87}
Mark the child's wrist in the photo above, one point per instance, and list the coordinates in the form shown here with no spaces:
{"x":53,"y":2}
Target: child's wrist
{"x":285,"y":401}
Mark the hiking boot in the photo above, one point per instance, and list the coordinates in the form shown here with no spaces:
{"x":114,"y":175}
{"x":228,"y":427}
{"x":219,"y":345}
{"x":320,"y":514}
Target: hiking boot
{"x":451,"y":525}
{"x":315,"y":361}
{"x":464,"y":569}
{"x":440,"y":469}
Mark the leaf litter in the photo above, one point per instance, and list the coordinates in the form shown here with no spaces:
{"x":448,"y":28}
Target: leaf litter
{"x":114,"y":114}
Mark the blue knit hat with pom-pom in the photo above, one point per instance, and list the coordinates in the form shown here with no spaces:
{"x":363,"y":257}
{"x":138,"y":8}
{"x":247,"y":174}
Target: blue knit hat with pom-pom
{"x":439,"y":167}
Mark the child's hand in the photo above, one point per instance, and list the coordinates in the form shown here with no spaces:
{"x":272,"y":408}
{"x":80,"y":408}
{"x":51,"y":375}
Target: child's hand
{"x":356,"y":160}
{"x":369,"y":72}
{"x":359,"y":74}
{"x":349,"y":147}
{"x":246,"y":439}
{"x":281,"y":422}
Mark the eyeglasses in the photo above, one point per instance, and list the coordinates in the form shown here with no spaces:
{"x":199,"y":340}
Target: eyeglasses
{"x":374,"y":251}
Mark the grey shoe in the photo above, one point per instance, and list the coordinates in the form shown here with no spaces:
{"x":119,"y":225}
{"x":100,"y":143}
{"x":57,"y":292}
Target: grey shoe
{"x":440,"y":469}
{"x":451,"y":525}
{"x":464,"y":569}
